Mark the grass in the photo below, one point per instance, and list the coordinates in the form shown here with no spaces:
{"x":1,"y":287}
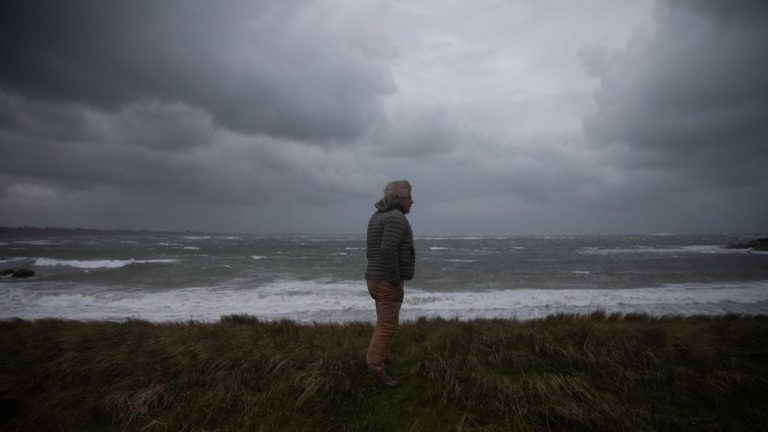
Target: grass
{"x":563,"y":373}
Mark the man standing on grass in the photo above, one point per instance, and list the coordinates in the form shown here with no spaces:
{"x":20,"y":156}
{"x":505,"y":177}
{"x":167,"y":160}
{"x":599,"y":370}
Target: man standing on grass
{"x":391,"y":260}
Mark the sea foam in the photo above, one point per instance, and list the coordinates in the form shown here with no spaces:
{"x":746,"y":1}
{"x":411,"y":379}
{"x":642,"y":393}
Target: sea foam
{"x":701,"y":249}
{"x":97,"y":264}
{"x":349,"y":301}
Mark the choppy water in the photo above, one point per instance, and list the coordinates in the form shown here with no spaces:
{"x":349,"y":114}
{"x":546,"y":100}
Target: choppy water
{"x":182,"y":277}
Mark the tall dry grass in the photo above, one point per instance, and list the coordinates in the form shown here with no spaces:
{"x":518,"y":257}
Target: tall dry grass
{"x":592,"y":373}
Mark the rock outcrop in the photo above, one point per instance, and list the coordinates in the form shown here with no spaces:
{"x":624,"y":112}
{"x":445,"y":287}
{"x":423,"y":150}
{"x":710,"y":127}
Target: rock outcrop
{"x":18,"y":273}
{"x":760,"y":244}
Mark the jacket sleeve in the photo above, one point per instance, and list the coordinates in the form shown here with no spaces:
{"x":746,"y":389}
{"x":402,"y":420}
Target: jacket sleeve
{"x":393,"y":233}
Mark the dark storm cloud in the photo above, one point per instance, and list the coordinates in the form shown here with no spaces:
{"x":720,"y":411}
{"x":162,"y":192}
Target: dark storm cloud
{"x":78,"y":147}
{"x":692,"y":99}
{"x":166,"y":152}
{"x":738,"y":12}
{"x":150,"y":124}
{"x":268,"y":116}
{"x":273,"y":67}
{"x":202,"y":115}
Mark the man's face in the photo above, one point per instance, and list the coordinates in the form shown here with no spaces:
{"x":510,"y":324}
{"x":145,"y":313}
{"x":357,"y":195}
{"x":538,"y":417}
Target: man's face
{"x":406,"y":203}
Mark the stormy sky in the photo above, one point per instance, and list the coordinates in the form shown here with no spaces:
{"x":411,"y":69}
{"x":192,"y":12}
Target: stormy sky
{"x":289,"y":116}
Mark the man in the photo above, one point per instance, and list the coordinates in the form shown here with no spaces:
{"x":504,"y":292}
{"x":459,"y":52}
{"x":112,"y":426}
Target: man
{"x":391,"y":260}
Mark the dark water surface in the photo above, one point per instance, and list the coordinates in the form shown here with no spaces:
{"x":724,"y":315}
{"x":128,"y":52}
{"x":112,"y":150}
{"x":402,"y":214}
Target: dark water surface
{"x":180,"y":277}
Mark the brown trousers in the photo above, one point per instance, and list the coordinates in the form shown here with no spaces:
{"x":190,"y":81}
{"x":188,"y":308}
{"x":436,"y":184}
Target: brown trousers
{"x":388,"y":299}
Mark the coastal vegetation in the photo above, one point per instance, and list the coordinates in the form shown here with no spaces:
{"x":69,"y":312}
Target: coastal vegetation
{"x":594,"y":372}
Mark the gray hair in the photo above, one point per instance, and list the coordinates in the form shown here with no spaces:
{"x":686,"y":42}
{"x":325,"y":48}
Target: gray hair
{"x":397,"y":189}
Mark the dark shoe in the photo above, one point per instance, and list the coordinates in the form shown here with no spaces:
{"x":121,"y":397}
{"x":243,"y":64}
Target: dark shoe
{"x":389,"y":382}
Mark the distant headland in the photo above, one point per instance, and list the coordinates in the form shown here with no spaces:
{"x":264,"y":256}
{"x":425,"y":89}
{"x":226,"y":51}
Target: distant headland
{"x":55,"y":231}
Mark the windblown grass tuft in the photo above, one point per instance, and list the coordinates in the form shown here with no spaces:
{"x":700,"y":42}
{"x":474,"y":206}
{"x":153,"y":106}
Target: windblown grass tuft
{"x":597,"y":372}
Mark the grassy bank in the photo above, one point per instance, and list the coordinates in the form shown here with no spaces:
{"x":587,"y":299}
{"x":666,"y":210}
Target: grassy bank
{"x":592,"y":373}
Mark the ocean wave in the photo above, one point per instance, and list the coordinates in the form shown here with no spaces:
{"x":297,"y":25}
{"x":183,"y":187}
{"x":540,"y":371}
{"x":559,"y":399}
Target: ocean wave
{"x":702,"y":249}
{"x":37,"y":242}
{"x":677,"y":294}
{"x":457,"y":238}
{"x":10,"y":260}
{"x":204,"y":237}
{"x":98,"y":264}
{"x":349,"y":300}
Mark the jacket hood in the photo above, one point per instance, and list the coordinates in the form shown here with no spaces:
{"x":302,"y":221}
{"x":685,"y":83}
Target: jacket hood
{"x":384,"y":205}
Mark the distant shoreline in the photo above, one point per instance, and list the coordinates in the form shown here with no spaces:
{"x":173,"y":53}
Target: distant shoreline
{"x":49,"y":231}
{"x":6,"y":231}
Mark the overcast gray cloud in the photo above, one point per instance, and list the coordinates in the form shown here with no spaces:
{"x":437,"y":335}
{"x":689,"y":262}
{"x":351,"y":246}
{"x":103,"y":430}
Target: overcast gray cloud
{"x":682,"y":111}
{"x":288,"y":68}
{"x":289,"y":116}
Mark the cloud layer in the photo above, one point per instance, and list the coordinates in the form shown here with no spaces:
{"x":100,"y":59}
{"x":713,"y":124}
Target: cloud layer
{"x":289,"y":116}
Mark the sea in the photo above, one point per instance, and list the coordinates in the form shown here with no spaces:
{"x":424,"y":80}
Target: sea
{"x":191,"y":277}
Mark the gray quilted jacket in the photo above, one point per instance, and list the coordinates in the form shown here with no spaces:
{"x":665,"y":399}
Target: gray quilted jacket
{"x":390,"y":245}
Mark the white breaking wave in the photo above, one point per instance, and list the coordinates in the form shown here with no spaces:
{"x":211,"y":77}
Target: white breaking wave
{"x":97,"y":264}
{"x":204,"y":237}
{"x":455,"y":238}
{"x":36,"y":242}
{"x":349,"y":301}
{"x":704,"y":249}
